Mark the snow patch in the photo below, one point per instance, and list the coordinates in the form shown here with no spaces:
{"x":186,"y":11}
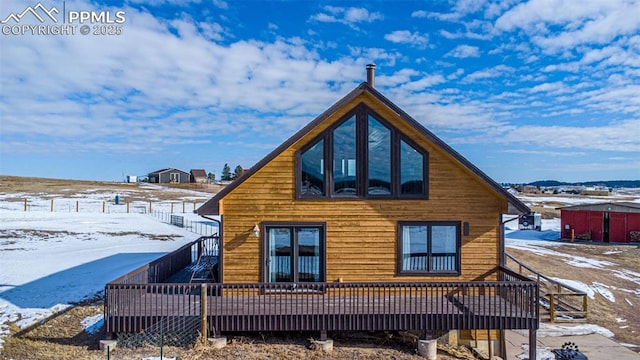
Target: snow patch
{"x":628,"y":301}
{"x":553,"y":330}
{"x":50,"y":260}
{"x":611,"y":252}
{"x":627,"y":275}
{"x":580,"y":286}
{"x":621,"y":320}
{"x":93,"y":324}
{"x":540,"y":248}
{"x":542,"y":353}
{"x":603,"y":290}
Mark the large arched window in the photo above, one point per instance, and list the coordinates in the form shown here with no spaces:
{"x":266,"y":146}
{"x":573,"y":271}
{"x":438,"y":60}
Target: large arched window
{"x":362,"y":156}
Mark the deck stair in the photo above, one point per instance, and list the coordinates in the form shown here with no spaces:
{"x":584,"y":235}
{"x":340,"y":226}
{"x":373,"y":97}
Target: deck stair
{"x":561,"y":302}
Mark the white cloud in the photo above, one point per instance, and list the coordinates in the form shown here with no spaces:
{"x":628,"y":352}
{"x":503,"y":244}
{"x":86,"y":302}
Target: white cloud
{"x":496,"y":71}
{"x":407,"y":37}
{"x":170,"y":89}
{"x":220,"y":4}
{"x":346,"y":15}
{"x":557,"y":25}
{"x":549,"y":88}
{"x":464,"y":51}
{"x":621,"y":136}
{"x":547,"y":152}
{"x":424,"y":83}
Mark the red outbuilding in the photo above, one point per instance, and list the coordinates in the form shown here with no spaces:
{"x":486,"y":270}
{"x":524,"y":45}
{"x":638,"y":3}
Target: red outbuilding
{"x":607,"y":222}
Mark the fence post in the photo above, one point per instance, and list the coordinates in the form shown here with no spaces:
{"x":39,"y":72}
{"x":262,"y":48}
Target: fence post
{"x":104,"y":206}
{"x":171,"y":212}
{"x":552,"y":310}
{"x":127,"y":207}
{"x":77,"y":206}
{"x":183,"y":209}
{"x":150,"y":207}
{"x":203,"y":312}
{"x":25,"y":204}
{"x":51,"y":205}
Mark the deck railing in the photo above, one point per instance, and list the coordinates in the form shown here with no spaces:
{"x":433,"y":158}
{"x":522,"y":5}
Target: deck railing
{"x":164,"y":267}
{"x":565,"y":303}
{"x":510,"y":303}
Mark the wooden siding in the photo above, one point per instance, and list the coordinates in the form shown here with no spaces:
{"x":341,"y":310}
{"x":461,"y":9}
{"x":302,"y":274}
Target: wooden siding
{"x":361,"y":234}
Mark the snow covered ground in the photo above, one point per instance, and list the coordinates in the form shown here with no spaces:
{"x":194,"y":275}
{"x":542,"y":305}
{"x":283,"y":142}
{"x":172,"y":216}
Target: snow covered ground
{"x":51,"y":259}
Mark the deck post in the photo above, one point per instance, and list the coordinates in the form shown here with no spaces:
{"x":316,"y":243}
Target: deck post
{"x":532,"y":344}
{"x":203,"y":312}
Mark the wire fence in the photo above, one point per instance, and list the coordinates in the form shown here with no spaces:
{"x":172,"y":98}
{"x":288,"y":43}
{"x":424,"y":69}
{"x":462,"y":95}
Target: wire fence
{"x":200,"y":226}
{"x":111,"y":206}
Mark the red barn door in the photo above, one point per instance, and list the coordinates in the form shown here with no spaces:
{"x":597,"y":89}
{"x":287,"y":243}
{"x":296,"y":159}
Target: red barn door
{"x":618,"y":227}
{"x":596,"y":220}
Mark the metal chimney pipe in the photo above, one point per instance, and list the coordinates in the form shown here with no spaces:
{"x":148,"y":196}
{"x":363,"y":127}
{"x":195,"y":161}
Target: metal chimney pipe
{"x":371,"y":75}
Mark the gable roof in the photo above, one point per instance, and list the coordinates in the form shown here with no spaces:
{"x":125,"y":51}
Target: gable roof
{"x":621,"y":206}
{"x":167,"y":169}
{"x":211,"y":207}
{"x":198,"y":173}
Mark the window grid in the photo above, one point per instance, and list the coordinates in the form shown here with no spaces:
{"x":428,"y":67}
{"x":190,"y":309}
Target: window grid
{"x":353,"y":180}
{"x":429,"y":248}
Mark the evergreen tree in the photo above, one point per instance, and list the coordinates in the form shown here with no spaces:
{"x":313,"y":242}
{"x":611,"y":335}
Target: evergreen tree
{"x":211,"y":176}
{"x":238,"y":171}
{"x":226,"y":172}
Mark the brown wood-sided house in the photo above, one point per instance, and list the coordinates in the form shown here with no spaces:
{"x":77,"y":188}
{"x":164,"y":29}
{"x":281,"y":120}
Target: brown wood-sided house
{"x":365,"y":194}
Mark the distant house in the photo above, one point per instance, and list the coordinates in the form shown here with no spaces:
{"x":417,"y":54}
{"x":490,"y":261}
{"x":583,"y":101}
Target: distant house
{"x":528,"y":189}
{"x":199,"y":176}
{"x":607,"y":222}
{"x":169,"y":176}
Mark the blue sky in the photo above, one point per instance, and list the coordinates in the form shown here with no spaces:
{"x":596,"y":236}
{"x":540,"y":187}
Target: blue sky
{"x":544,"y":89}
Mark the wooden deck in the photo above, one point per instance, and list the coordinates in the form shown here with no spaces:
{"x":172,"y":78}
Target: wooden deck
{"x":204,"y":269}
{"x":147,"y":296}
{"x":327,"y":306}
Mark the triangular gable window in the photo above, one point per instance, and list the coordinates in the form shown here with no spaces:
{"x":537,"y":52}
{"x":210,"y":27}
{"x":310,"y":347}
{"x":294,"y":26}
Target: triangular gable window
{"x":362,"y":156}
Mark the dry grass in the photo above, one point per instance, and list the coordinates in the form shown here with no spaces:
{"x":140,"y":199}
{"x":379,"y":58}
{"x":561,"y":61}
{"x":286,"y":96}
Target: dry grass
{"x":600,"y":310}
{"x":63,"y":338}
{"x":56,"y":188}
{"x":546,"y":212}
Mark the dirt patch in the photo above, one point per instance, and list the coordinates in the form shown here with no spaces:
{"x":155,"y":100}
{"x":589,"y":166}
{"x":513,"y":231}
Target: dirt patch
{"x":160,"y":237}
{"x":43,"y":235}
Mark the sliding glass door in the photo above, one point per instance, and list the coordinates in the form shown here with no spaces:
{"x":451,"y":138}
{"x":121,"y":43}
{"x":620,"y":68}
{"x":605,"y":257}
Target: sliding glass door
{"x":294,"y":253}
